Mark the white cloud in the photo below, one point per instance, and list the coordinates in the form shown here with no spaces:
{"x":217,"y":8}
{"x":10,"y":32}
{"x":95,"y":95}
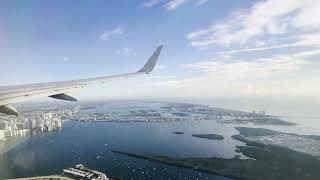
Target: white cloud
{"x":258,"y":48}
{"x":66,"y":59}
{"x":309,"y":15}
{"x":118,"y":32}
{"x":265,"y":19}
{"x":225,"y":76}
{"x":126,"y":52}
{"x":235,"y":70}
{"x":151,"y":3}
{"x":160,"y":67}
{"x":173,"y":4}
{"x":163,"y":77}
{"x":290,"y":26}
{"x":170,"y":4}
{"x":307,"y":53}
{"x":310,"y":39}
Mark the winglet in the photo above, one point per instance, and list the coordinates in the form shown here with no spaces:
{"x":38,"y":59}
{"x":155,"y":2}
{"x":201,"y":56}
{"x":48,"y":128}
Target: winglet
{"x":148,"y":67}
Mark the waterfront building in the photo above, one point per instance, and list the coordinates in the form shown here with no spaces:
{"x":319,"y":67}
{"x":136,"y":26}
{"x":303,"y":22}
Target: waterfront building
{"x":32,"y":121}
{"x":81,"y":172}
{"x":2,"y":135}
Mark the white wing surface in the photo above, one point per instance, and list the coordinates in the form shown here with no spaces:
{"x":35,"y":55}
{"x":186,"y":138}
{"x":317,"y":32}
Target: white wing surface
{"x":57,"y":90}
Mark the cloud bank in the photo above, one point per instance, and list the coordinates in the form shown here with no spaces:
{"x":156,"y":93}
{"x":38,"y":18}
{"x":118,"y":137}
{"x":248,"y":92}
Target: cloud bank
{"x":170,"y":4}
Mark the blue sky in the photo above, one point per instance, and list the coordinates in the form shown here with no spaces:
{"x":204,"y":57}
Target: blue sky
{"x":213,"y":49}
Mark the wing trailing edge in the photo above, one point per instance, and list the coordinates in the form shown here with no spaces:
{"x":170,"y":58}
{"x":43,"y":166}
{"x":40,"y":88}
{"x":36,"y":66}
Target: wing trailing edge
{"x":57,"y":90}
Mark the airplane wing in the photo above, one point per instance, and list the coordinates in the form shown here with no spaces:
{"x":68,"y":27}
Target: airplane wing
{"x":57,"y":90}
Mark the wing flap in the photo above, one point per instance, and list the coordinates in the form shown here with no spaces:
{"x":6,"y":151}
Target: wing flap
{"x":9,"y":109}
{"x":63,"y":96}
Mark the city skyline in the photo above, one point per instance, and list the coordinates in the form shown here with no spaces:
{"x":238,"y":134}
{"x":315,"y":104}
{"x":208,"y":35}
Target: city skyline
{"x":34,"y":122}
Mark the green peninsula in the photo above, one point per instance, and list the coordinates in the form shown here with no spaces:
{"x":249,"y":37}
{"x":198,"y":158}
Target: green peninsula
{"x":209,"y":136}
{"x":267,"y":161}
{"x":178,"y":132}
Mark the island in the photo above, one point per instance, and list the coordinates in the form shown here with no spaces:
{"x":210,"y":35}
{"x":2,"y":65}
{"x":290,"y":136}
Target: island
{"x":178,"y":132}
{"x":209,"y":136}
{"x":159,"y":112}
{"x":265,"y":160}
{"x":309,"y":144}
{"x":267,"y":120}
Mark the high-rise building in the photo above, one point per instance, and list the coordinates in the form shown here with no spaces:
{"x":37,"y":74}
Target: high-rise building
{"x":2,"y":130}
{"x":2,"y":135}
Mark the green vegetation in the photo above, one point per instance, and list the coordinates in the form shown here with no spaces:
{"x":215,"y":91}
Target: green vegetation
{"x":267,"y":161}
{"x":178,"y":132}
{"x":246,"y":131}
{"x":260,"y":121}
{"x":209,"y":136}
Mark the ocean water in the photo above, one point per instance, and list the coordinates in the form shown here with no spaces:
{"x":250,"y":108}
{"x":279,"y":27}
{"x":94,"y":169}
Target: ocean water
{"x":91,"y":145}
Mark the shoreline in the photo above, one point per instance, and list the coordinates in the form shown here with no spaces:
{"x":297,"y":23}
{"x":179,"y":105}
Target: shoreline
{"x":263,"y":158}
{"x":52,"y":177}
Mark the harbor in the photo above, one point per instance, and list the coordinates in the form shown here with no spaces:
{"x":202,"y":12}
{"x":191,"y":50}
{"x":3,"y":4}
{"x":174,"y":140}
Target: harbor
{"x":79,"y":172}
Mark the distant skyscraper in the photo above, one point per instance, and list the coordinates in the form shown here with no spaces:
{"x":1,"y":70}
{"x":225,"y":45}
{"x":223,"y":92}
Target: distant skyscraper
{"x":2,"y":134}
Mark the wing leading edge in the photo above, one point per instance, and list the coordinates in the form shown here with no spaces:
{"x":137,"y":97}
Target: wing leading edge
{"x":57,"y":90}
